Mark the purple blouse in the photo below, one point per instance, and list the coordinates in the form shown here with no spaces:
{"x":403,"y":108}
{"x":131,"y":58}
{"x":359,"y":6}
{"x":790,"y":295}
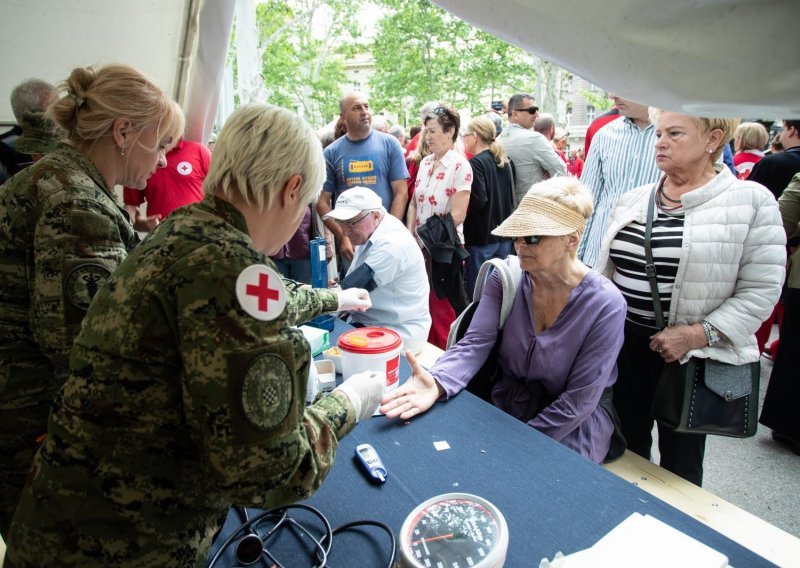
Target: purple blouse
{"x":574,"y":359}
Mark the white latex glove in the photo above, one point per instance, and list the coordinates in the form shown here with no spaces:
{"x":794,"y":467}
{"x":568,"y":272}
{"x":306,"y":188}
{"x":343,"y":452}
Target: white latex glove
{"x":354,"y":300}
{"x":365,"y":391}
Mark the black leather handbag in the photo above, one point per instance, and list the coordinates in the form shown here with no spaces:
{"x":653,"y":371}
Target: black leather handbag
{"x":702,"y":396}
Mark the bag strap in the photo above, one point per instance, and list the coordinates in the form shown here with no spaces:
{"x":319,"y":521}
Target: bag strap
{"x":510,"y":274}
{"x":513,"y":183}
{"x":650,"y":266}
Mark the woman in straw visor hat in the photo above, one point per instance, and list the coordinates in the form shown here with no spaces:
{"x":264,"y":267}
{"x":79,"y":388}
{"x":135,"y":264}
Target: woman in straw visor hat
{"x":561,"y":336}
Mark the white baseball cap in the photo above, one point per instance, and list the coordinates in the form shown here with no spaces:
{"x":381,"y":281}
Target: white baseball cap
{"x":353,"y":201}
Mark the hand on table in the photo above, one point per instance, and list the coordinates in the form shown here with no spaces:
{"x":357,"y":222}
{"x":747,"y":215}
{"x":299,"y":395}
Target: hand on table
{"x":416,"y":396}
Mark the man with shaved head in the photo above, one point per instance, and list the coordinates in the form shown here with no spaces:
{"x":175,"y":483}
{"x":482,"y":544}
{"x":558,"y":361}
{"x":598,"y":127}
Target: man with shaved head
{"x":363,"y":157}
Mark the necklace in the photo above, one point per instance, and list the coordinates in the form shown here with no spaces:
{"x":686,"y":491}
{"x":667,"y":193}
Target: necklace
{"x":662,"y":198}
{"x":663,"y":206}
{"x":665,"y":196}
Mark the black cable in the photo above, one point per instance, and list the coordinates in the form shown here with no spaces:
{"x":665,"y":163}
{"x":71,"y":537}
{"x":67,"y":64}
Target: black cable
{"x":280,"y":516}
{"x":282,"y":512}
{"x":355,"y":524}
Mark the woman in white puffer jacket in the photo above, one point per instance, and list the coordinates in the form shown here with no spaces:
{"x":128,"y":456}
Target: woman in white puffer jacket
{"x":719,"y":249}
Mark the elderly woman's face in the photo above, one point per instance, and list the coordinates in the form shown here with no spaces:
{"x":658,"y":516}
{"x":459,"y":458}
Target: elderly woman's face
{"x":549,"y":252}
{"x":439,"y":141}
{"x":680,"y":144}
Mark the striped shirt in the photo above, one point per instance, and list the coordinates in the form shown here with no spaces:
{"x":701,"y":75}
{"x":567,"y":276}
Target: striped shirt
{"x":627,"y":254}
{"x":621,"y":159}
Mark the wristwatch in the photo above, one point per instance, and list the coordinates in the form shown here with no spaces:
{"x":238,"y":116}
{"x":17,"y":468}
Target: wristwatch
{"x":712,"y":335}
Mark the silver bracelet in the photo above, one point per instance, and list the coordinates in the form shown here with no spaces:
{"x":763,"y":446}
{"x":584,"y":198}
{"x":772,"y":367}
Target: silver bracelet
{"x":712,"y":335}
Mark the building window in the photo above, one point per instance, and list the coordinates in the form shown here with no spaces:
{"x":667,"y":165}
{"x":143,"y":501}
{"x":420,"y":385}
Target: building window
{"x":591,"y":113}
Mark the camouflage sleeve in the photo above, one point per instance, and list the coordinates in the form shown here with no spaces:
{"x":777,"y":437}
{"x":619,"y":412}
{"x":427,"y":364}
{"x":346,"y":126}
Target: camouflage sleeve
{"x":304,"y":303}
{"x":77,"y":245}
{"x":244,"y":390}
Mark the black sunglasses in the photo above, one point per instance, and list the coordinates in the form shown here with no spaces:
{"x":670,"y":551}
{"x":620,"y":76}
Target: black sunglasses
{"x":531,"y":240}
{"x":531,"y":110}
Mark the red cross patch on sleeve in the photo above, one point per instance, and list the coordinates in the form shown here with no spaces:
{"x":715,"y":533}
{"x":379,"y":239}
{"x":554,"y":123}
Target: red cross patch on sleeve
{"x":260,"y":292}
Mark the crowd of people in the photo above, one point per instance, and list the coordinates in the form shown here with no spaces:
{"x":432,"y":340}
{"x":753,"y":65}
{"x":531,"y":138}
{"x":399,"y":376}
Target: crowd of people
{"x":148,"y":384}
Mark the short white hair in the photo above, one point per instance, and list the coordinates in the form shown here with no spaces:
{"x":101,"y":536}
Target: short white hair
{"x":397,"y":131}
{"x":33,"y":95}
{"x":258,"y":149}
{"x":426,"y":109}
{"x":379,"y":122}
{"x":567,"y":191}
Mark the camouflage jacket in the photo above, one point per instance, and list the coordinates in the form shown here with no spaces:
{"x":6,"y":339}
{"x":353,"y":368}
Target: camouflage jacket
{"x":61,"y":235}
{"x":179,"y":403}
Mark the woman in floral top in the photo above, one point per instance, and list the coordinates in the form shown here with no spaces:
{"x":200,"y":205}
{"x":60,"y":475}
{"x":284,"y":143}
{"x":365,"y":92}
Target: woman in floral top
{"x":443,"y":186}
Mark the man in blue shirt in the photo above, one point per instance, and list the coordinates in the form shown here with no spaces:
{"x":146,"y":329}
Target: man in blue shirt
{"x":363,"y":157}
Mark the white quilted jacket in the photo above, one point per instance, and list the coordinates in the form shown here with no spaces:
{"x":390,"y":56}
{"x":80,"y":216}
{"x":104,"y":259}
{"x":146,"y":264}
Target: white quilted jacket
{"x":732,"y":265}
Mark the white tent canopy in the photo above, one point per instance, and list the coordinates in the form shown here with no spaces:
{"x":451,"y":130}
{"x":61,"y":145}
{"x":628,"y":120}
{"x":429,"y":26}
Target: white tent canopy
{"x":723,"y":57}
{"x":703,"y":57}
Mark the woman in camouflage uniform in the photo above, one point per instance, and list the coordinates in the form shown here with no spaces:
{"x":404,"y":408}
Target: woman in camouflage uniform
{"x":62,"y":233}
{"x":187,"y":386}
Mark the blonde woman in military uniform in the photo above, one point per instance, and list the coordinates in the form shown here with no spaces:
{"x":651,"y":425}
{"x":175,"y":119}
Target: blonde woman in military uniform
{"x":61,"y":235}
{"x":187,"y":386}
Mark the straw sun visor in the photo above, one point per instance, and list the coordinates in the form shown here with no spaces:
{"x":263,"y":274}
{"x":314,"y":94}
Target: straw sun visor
{"x":542,"y":217}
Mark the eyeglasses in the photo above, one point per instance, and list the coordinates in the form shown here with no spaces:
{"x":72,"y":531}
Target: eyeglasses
{"x":531,"y":110}
{"x":352,"y":224}
{"x":531,"y":240}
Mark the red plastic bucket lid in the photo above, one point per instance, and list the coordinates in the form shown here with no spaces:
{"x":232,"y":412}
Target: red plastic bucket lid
{"x":369,"y":340}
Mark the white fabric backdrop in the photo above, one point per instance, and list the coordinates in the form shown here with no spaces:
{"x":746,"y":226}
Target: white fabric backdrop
{"x":46,"y":39}
{"x":208,"y":67}
{"x":705,"y":57}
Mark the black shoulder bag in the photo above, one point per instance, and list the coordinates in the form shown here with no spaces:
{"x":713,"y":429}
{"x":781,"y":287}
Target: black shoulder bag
{"x":703,"y":396}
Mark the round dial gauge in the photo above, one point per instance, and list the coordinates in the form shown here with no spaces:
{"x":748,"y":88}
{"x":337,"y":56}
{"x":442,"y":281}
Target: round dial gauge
{"x":454,"y":530}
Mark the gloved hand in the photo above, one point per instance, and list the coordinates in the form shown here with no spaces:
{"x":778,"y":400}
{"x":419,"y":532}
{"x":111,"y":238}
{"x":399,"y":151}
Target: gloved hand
{"x":354,"y":300}
{"x":365,"y":391}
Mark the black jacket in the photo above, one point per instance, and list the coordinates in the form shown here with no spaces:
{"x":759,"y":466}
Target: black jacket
{"x":440,"y":238}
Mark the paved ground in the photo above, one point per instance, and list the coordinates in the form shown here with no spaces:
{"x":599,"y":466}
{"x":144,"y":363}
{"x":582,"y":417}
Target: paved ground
{"x":756,"y":474}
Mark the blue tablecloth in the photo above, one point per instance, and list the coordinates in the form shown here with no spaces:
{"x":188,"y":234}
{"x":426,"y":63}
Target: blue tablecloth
{"x":552,"y":498}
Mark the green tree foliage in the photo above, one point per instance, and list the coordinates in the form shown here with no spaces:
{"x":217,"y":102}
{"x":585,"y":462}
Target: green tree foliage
{"x":303,"y":64}
{"x":599,"y":100}
{"x":422,"y":53}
